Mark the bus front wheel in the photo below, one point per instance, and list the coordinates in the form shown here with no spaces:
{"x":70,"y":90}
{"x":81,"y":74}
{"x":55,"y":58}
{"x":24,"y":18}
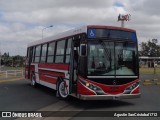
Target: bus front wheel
{"x":62,"y":90}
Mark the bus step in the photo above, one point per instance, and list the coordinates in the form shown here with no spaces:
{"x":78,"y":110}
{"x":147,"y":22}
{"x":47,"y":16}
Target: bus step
{"x":73,"y":94}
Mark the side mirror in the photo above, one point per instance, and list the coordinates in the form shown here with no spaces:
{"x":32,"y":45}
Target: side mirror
{"x":83,"y":50}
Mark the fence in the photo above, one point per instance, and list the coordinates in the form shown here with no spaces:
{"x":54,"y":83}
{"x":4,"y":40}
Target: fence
{"x":11,"y":73}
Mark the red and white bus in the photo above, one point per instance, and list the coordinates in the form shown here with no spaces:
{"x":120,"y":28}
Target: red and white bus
{"x":91,"y":63}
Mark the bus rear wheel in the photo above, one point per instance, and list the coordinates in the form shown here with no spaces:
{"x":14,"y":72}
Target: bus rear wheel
{"x":62,"y":90}
{"x":33,"y":81}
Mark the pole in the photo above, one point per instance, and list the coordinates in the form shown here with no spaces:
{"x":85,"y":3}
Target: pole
{"x":122,"y":23}
{"x":0,"y":57}
{"x":44,"y":29}
{"x":154,"y":68}
{"x":0,"y":61}
{"x":42,"y":32}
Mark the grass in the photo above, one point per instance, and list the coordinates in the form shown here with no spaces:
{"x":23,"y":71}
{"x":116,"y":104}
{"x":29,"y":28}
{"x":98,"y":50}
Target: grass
{"x":12,"y":68}
{"x":142,"y":70}
{"x":146,"y":70}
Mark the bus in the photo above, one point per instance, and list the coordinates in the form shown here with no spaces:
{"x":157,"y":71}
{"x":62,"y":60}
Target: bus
{"x":92,"y":62}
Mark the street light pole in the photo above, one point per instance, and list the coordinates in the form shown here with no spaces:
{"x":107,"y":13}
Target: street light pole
{"x":44,"y":29}
{"x":0,"y":57}
{"x":0,"y":60}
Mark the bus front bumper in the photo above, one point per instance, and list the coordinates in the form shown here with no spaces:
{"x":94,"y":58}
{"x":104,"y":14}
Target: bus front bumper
{"x":109,"y":97}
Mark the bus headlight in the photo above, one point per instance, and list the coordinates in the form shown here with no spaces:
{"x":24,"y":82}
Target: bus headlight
{"x":134,"y":85}
{"x":93,"y":87}
{"x":130,"y":88}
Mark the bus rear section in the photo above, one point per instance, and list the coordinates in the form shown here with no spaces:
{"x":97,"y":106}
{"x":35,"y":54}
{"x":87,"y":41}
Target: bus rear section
{"x":109,"y":68}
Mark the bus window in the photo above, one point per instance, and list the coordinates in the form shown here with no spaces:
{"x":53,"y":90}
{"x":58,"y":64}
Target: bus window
{"x":68,"y":50}
{"x":37,"y":54}
{"x":33,"y":53}
{"x":51,"y":49}
{"x":44,"y":51}
{"x":125,"y":58}
{"x":60,"y":51}
{"x":28,"y":56}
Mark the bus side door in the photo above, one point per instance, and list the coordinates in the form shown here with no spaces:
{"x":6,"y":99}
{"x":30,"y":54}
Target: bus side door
{"x":74,"y":56}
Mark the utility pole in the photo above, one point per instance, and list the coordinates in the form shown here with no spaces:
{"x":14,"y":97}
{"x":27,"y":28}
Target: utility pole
{"x":123,"y":18}
{"x":0,"y":57}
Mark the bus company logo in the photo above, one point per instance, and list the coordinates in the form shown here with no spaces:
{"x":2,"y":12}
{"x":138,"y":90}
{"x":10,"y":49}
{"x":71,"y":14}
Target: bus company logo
{"x":114,"y":82}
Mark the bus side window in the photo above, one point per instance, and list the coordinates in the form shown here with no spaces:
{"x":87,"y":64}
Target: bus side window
{"x":60,"y":51}
{"x":37,"y":54}
{"x":44,"y":51}
{"x":33,"y":53}
{"x":28,"y":54}
{"x":68,"y":50}
{"x":28,"y":50}
{"x":50,"y":55}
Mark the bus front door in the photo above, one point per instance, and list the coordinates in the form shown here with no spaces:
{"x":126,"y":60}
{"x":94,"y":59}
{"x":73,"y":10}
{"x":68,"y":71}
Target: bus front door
{"x":73,"y":69}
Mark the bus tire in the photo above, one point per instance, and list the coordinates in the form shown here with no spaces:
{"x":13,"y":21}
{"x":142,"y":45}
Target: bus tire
{"x":62,"y":90}
{"x":33,"y":81}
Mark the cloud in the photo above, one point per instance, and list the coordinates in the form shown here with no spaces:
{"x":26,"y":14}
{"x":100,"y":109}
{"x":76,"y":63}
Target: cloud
{"x":22,"y":21}
{"x":34,"y":5}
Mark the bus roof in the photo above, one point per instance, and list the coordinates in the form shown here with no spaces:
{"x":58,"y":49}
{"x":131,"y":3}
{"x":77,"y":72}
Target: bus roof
{"x":110,"y":27}
{"x":75,"y":31}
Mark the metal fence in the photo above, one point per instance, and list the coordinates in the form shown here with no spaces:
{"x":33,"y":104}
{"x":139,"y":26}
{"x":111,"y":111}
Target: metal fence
{"x":11,"y":73}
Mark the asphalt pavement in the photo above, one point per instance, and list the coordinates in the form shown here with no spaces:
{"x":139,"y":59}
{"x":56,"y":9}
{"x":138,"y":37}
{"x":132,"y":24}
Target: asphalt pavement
{"x":21,"y":96}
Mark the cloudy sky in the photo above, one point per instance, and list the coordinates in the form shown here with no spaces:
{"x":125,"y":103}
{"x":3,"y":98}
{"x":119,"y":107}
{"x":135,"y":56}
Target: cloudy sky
{"x":22,"y":21}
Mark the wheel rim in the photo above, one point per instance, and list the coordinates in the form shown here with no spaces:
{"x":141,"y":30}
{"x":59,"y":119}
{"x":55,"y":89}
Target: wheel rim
{"x":63,"y":90}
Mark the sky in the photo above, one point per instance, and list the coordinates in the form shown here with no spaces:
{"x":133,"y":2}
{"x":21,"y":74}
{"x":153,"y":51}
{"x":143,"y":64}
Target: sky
{"x":22,"y":21}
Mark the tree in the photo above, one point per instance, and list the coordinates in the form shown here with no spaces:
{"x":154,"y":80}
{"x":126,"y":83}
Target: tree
{"x":5,"y":58}
{"x":150,"y":48}
{"x":17,"y":60}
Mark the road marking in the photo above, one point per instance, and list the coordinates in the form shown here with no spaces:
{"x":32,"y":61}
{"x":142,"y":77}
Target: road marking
{"x":11,"y":80}
{"x":57,"y":107}
{"x":147,"y":83}
{"x":60,"y":106}
{"x":147,"y":80}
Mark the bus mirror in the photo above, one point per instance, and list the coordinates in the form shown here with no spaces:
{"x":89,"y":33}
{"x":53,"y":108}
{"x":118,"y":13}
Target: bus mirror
{"x":83,"y":50}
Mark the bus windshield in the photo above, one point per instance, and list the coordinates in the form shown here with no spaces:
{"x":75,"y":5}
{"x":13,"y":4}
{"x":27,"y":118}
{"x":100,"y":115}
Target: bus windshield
{"x":111,"y":58}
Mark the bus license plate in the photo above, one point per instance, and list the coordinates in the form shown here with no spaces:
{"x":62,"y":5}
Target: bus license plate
{"x":116,"y":98}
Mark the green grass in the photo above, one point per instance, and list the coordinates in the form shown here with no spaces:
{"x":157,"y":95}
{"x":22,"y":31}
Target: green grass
{"x":12,"y":68}
{"x":149,"y":70}
{"x":142,"y":70}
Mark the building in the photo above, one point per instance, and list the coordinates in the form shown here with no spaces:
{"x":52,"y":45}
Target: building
{"x":149,"y":61}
